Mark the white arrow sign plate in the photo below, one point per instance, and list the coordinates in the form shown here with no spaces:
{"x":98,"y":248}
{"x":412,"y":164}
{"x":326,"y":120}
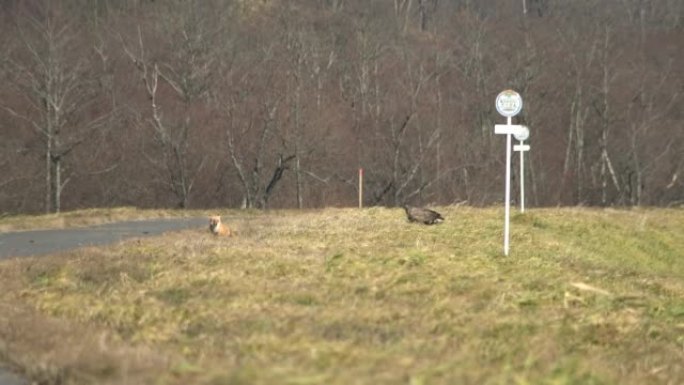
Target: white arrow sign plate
{"x":508,"y":129}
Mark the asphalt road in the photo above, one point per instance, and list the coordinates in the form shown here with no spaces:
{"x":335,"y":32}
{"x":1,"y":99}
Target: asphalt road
{"x":7,"y":378}
{"x":37,"y":242}
{"x":40,"y":242}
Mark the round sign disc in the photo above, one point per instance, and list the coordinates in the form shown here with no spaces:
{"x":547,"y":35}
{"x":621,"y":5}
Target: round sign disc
{"x":509,"y":103}
{"x":523,"y":134}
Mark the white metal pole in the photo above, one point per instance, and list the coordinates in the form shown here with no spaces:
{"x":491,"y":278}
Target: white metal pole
{"x":522,"y":177}
{"x":508,"y":188}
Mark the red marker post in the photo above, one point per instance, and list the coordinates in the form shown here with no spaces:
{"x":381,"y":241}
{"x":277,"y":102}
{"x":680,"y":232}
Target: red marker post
{"x":360,"y":188}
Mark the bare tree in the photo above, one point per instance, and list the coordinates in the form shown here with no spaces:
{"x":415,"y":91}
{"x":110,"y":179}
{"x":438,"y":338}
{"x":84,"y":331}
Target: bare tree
{"x":308,"y":60}
{"x":55,"y":80}
{"x":187,"y":72}
{"x":603,"y":108}
{"x":251,"y":105}
{"x":580,"y":61}
{"x":259,"y":182}
{"x":651,"y":141}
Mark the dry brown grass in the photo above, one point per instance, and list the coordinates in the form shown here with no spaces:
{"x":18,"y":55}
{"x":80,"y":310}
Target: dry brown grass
{"x":346,"y":296}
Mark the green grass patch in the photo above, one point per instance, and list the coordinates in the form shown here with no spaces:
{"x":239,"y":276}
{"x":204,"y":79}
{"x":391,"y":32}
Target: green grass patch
{"x":342,"y":296}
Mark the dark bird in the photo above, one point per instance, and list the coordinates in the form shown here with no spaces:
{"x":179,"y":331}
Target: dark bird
{"x":423,"y":215}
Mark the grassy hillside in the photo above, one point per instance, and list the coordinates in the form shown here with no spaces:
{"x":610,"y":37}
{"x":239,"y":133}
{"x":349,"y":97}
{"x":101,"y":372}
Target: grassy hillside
{"x":347,"y":296}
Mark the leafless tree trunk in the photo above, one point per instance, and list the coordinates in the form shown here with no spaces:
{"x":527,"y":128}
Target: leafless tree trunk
{"x":189,"y":83}
{"x":297,"y":55}
{"x":579,"y":112}
{"x":647,"y":110}
{"x":55,"y":81}
{"x":606,"y":165}
{"x":256,"y":189}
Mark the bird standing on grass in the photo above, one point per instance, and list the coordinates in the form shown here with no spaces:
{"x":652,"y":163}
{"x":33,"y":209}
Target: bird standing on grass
{"x":423,"y":215}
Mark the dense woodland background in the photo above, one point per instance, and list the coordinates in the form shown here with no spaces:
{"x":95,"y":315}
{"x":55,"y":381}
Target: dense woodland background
{"x":277,"y":103}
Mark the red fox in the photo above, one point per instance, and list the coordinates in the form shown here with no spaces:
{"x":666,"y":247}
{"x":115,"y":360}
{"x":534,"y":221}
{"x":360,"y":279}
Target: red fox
{"x":218,"y":228}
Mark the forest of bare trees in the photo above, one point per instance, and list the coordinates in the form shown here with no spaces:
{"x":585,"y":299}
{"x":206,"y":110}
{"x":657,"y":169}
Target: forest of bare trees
{"x":278,"y":103}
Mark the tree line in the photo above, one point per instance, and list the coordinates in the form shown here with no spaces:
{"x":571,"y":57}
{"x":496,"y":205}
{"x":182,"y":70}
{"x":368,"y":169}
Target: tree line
{"x":278,"y":103}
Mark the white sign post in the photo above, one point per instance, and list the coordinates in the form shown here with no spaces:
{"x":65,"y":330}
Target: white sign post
{"x":522,"y":147}
{"x":508,"y":104}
